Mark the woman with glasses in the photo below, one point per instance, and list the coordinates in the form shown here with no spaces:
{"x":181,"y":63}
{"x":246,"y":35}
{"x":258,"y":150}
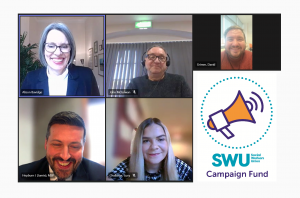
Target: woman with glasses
{"x":152,"y":157}
{"x":157,"y":82}
{"x":60,"y":77}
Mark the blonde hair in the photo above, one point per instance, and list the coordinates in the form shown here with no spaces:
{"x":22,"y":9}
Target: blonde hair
{"x":137,"y":163}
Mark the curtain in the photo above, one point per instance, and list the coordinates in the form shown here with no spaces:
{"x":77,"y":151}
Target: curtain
{"x":123,"y":62}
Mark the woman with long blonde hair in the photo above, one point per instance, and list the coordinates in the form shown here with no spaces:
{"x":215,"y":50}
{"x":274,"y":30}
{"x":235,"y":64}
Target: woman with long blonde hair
{"x":152,"y":157}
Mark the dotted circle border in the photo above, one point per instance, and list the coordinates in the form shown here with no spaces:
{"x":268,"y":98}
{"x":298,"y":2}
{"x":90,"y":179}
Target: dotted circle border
{"x":232,"y":147}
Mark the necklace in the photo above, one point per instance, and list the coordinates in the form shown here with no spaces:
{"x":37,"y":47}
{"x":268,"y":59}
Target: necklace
{"x":159,"y":79}
{"x":153,"y":176}
{"x":156,"y":85}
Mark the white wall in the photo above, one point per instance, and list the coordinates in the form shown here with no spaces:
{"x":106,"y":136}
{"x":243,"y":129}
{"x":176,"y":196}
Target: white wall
{"x":26,"y":148}
{"x":24,"y":23}
{"x":185,"y":26}
{"x":249,"y":33}
{"x":145,"y":38}
{"x":34,"y":36}
{"x":27,"y":24}
{"x":181,"y":25}
{"x":94,"y":32}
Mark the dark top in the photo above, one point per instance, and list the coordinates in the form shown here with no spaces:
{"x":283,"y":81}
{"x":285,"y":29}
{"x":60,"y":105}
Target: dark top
{"x":185,"y":172}
{"x":86,"y":171}
{"x":81,"y":81}
{"x":172,"y":85}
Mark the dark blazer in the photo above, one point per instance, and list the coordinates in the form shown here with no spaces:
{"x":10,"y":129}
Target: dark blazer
{"x":81,"y":81}
{"x":86,"y":171}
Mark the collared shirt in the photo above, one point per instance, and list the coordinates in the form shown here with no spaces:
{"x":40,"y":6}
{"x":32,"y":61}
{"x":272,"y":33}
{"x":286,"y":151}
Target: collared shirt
{"x":54,"y":177}
{"x":58,"y":84}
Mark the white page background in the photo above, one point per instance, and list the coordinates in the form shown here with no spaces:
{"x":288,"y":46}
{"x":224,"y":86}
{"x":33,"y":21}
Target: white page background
{"x":287,"y":161}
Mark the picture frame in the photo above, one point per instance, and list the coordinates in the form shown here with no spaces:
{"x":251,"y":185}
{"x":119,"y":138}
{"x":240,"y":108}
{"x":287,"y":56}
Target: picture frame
{"x":96,"y":60}
{"x":101,"y":47}
{"x":101,"y":65}
{"x":90,"y":58}
{"x":96,"y":47}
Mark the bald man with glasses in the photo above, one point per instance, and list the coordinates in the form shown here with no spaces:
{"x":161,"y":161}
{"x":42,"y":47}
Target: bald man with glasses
{"x":157,"y":82}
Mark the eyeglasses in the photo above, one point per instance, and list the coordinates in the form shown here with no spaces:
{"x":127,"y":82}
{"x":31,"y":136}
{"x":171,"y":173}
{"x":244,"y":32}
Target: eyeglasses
{"x":160,"y":58}
{"x":50,"y":47}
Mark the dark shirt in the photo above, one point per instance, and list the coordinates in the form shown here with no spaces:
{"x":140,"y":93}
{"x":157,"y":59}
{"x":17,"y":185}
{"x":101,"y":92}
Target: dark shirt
{"x":39,"y":171}
{"x":184,"y":171}
{"x":172,"y":86}
{"x":81,"y":81}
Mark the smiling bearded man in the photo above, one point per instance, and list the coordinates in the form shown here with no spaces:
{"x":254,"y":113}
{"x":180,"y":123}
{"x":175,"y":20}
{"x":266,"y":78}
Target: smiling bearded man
{"x":64,"y":149}
{"x":64,"y":161}
{"x":235,"y":56}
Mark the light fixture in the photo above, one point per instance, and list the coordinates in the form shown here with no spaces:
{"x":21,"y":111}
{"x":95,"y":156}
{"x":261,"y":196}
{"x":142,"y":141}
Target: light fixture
{"x":143,"y":24}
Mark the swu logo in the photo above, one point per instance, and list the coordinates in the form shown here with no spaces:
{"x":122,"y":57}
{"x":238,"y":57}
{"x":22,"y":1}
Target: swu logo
{"x":218,"y":162}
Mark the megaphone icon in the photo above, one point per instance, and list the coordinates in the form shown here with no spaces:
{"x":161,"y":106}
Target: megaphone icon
{"x":237,"y":111}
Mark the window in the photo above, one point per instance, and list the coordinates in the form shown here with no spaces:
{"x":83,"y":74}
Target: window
{"x":125,"y":69}
{"x":226,"y":22}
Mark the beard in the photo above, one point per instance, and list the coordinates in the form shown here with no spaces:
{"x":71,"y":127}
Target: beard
{"x":60,"y":173}
{"x":235,"y":55}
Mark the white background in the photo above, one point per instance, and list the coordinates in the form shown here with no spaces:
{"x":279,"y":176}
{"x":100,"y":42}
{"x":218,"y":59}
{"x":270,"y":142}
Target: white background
{"x":288,"y":148}
{"x":246,"y":133}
